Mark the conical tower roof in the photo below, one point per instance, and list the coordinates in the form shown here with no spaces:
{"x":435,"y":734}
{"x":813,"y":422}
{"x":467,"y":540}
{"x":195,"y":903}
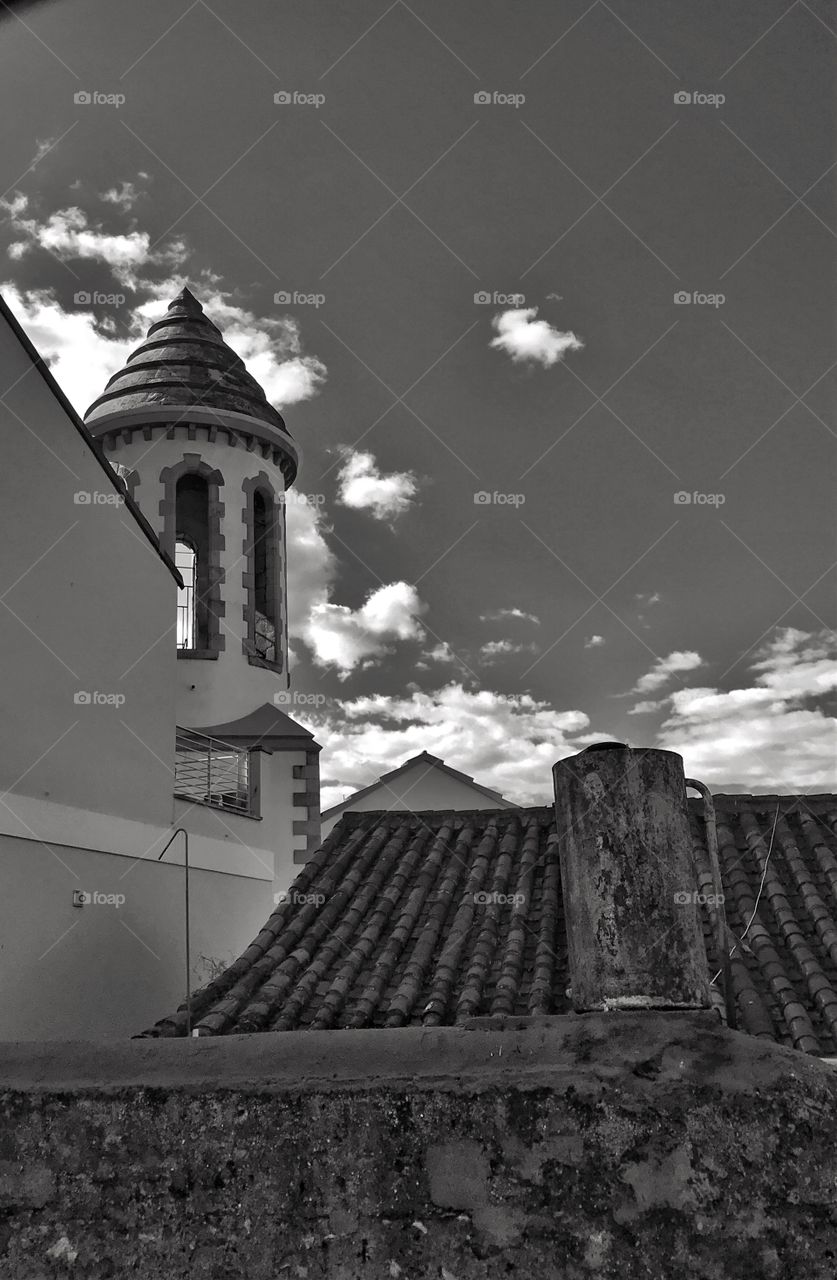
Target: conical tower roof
{"x":184,"y":361}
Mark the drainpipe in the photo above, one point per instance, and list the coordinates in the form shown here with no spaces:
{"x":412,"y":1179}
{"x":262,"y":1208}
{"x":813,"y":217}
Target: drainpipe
{"x":181,"y":831}
{"x":631,"y":913}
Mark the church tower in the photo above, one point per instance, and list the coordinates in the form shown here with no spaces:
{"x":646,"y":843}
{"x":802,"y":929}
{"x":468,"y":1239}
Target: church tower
{"x":208,"y":461}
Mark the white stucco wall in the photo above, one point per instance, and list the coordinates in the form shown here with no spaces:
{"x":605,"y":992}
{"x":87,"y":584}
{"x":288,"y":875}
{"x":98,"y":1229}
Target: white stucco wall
{"x":422,"y":786}
{"x":106,"y":971}
{"x":211,"y":692}
{"x":88,"y":603}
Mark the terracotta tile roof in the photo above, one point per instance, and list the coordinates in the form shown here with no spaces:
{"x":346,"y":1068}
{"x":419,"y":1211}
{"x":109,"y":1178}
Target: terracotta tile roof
{"x":382,"y":927}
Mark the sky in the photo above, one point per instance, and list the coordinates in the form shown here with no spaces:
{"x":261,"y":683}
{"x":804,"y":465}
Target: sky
{"x":544,"y":291}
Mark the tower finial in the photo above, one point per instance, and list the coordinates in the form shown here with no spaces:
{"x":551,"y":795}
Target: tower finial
{"x":186,"y":303}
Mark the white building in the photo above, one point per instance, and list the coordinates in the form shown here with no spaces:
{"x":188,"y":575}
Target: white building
{"x":139,"y":696}
{"x":420,"y":783}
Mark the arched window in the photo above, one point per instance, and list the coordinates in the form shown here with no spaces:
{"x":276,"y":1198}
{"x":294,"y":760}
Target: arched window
{"x":264,"y":556}
{"x":192,"y":534}
{"x":185,"y":559}
{"x":192,"y":512}
{"x":263,"y":573}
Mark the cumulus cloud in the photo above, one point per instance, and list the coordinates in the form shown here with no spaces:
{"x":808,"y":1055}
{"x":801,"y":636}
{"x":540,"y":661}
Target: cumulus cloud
{"x":501,"y":614}
{"x":496,"y":649}
{"x":69,"y":235}
{"x":363,"y":487}
{"x":594,"y":642}
{"x":646,"y":708}
{"x":771,"y":734}
{"x":506,"y":742}
{"x":84,"y":348}
{"x":664,"y":668}
{"x":339,"y":637}
{"x":345,"y":638}
{"x":529,"y":340}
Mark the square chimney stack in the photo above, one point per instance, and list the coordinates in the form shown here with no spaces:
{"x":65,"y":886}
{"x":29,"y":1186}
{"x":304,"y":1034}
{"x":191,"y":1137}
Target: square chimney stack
{"x":627,"y":876}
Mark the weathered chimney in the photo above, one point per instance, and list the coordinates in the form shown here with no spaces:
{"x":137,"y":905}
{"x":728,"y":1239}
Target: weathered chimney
{"x":628,"y":884}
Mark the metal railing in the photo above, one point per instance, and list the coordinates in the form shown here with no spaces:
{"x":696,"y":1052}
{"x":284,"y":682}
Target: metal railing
{"x":212,"y":772}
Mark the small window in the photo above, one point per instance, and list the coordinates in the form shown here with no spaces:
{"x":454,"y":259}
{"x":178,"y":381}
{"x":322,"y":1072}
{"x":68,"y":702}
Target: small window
{"x":264,"y":570}
{"x":185,"y":559}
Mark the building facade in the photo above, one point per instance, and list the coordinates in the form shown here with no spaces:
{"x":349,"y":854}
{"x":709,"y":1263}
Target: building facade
{"x":143,"y":606}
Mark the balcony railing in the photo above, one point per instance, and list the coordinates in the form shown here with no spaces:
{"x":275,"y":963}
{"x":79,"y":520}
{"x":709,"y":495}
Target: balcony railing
{"x":212,"y":772}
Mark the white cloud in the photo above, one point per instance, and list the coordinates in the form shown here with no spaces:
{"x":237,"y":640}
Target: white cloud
{"x":664,"y":668}
{"x":594,"y":642}
{"x":124,"y":196}
{"x":771,"y":734}
{"x":81,"y":356}
{"x":506,"y":742}
{"x":645,"y":708}
{"x":364,"y":488}
{"x":84,"y":352}
{"x":69,"y":236}
{"x":502,"y":614}
{"x":441,"y":652}
{"x":525,"y":338}
{"x":493,"y":650}
{"x":345,"y":638}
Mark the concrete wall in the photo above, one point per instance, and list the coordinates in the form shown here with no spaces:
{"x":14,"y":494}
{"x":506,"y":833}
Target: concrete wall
{"x":422,"y":786}
{"x":87,"y":604}
{"x":210,"y":692}
{"x":104,"y":971}
{"x":608,"y":1146}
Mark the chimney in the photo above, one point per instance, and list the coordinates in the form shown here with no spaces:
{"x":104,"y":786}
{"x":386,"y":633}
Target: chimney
{"x":627,"y":878}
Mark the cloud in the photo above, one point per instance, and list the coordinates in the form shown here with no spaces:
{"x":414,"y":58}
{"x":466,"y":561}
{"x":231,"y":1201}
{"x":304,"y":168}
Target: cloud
{"x":83,"y":348}
{"x":508,"y":742}
{"x":526,"y":339}
{"x":648,"y":597}
{"x":594,"y":642}
{"x":645,"y":708}
{"x":69,"y":236}
{"x":502,"y":614}
{"x":664,"y":668}
{"x":339,"y":637}
{"x":345,"y":638}
{"x":496,"y":649}
{"x":364,"y":488}
{"x":441,"y":652}
{"x":772,"y":734}
{"x":124,"y":196}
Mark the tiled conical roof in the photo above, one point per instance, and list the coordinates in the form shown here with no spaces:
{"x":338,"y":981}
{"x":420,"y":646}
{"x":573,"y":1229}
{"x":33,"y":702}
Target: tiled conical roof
{"x":184,"y":361}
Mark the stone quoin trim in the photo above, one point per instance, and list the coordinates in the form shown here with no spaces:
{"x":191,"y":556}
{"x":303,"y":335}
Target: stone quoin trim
{"x":309,"y":775}
{"x":261,"y":483}
{"x":211,"y":595}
